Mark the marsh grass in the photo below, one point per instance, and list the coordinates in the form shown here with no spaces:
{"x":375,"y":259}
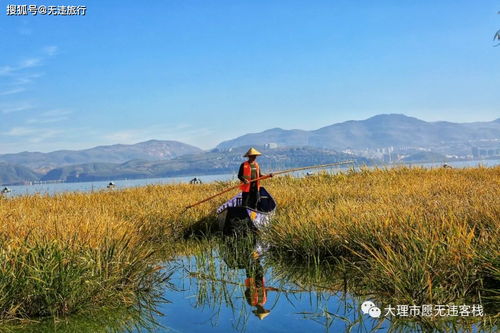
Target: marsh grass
{"x":413,"y":235}
{"x":215,"y":272}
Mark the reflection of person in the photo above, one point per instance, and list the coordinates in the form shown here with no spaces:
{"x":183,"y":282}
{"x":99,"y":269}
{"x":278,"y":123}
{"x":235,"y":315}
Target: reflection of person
{"x":244,"y":253}
{"x":249,"y":171}
{"x":256,"y":291}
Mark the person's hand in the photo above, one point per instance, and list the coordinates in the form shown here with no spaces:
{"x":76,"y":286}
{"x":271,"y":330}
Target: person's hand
{"x":246,"y":181}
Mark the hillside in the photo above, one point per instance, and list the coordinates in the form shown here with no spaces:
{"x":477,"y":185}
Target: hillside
{"x":16,"y":174}
{"x":198,"y":164}
{"x":378,"y":131}
{"x":119,"y":153}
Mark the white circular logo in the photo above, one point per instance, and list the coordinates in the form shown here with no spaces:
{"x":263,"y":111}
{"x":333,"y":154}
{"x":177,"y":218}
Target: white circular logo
{"x":374,"y":312}
{"x":365,"y":307}
{"x":369,"y":308}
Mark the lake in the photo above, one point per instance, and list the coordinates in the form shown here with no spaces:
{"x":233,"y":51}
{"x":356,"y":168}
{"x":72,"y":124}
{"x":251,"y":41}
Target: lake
{"x":52,"y":188}
{"x":236,"y":285}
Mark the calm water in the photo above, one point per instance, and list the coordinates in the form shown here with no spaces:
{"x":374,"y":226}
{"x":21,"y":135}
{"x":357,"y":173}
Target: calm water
{"x":95,"y":186}
{"x":216,"y":299}
{"x":218,"y":291}
{"x":220,"y":288}
{"x":53,"y":188}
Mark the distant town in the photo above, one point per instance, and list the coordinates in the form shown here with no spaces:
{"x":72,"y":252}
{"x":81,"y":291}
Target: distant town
{"x":471,"y":150}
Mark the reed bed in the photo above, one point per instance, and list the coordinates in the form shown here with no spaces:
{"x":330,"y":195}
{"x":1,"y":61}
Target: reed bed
{"x":73,"y":252}
{"x":414,"y":235}
{"x":419,"y":235}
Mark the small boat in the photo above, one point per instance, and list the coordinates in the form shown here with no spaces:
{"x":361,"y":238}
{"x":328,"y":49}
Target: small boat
{"x":234,"y":218}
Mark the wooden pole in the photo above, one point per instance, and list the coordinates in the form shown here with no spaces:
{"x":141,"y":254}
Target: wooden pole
{"x":265,"y":177}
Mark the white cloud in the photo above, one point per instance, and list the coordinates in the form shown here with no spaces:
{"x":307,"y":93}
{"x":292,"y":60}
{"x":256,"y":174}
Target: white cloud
{"x":28,"y":63}
{"x":35,"y":134}
{"x":21,"y":131}
{"x":22,"y":79}
{"x":184,"y":133}
{"x":5,"y":109}
{"x":12,"y":91}
{"x":56,"y":113}
{"x":51,"y":116}
{"x":47,"y":51}
{"x":45,"y":120}
{"x":23,"y":64}
{"x":17,"y":77}
{"x":6,"y":70}
{"x":37,"y":137}
{"x":50,"y":50}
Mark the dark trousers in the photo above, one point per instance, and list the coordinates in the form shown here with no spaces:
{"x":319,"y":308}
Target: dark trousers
{"x":251,"y":199}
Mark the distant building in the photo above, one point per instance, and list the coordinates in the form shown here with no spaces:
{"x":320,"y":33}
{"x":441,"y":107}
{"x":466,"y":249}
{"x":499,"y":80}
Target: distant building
{"x":271,"y":145}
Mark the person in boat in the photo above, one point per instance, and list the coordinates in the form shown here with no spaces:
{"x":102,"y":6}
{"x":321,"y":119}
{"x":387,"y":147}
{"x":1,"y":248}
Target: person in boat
{"x":250,"y":170}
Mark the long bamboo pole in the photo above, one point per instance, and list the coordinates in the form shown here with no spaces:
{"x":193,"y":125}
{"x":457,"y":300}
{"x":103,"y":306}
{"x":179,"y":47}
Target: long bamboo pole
{"x":267,"y":176}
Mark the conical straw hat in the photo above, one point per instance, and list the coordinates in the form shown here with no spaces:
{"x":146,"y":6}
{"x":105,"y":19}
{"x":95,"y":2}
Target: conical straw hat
{"x":261,"y":315}
{"x":252,"y":152}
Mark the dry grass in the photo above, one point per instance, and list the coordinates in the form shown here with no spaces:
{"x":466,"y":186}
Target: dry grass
{"x":427,"y":235}
{"x":416,"y":235}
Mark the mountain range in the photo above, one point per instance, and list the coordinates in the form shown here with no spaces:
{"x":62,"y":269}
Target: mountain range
{"x":213,"y":162}
{"x":156,"y":158}
{"x":152,"y":150}
{"x":378,"y":131}
{"x":16,"y":174}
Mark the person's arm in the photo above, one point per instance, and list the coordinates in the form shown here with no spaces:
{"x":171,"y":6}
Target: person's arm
{"x":240,"y":175}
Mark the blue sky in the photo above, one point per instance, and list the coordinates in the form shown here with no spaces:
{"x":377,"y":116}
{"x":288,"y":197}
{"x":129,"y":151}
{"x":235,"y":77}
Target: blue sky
{"x":205,"y":71}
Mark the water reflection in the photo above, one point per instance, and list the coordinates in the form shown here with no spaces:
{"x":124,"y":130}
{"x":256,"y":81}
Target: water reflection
{"x":248,"y":258}
{"x":234,"y":285}
{"x":237,"y":285}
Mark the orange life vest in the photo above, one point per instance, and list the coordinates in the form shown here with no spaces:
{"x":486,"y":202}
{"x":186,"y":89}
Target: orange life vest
{"x":247,"y":174}
{"x":258,"y":294}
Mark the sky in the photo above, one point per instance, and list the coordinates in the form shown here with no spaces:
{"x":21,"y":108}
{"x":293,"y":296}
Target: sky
{"x":201,"y":72}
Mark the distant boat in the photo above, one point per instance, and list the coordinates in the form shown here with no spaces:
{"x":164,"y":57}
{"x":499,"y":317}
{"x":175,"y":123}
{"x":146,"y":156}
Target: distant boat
{"x":111,"y":185}
{"x":6,"y":190}
{"x":195,"y":180}
{"x":234,"y":218}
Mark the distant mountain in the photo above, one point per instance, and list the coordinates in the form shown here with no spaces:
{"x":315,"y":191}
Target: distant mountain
{"x":16,"y":174}
{"x":149,"y":150}
{"x":198,"y":164}
{"x":378,"y":131}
